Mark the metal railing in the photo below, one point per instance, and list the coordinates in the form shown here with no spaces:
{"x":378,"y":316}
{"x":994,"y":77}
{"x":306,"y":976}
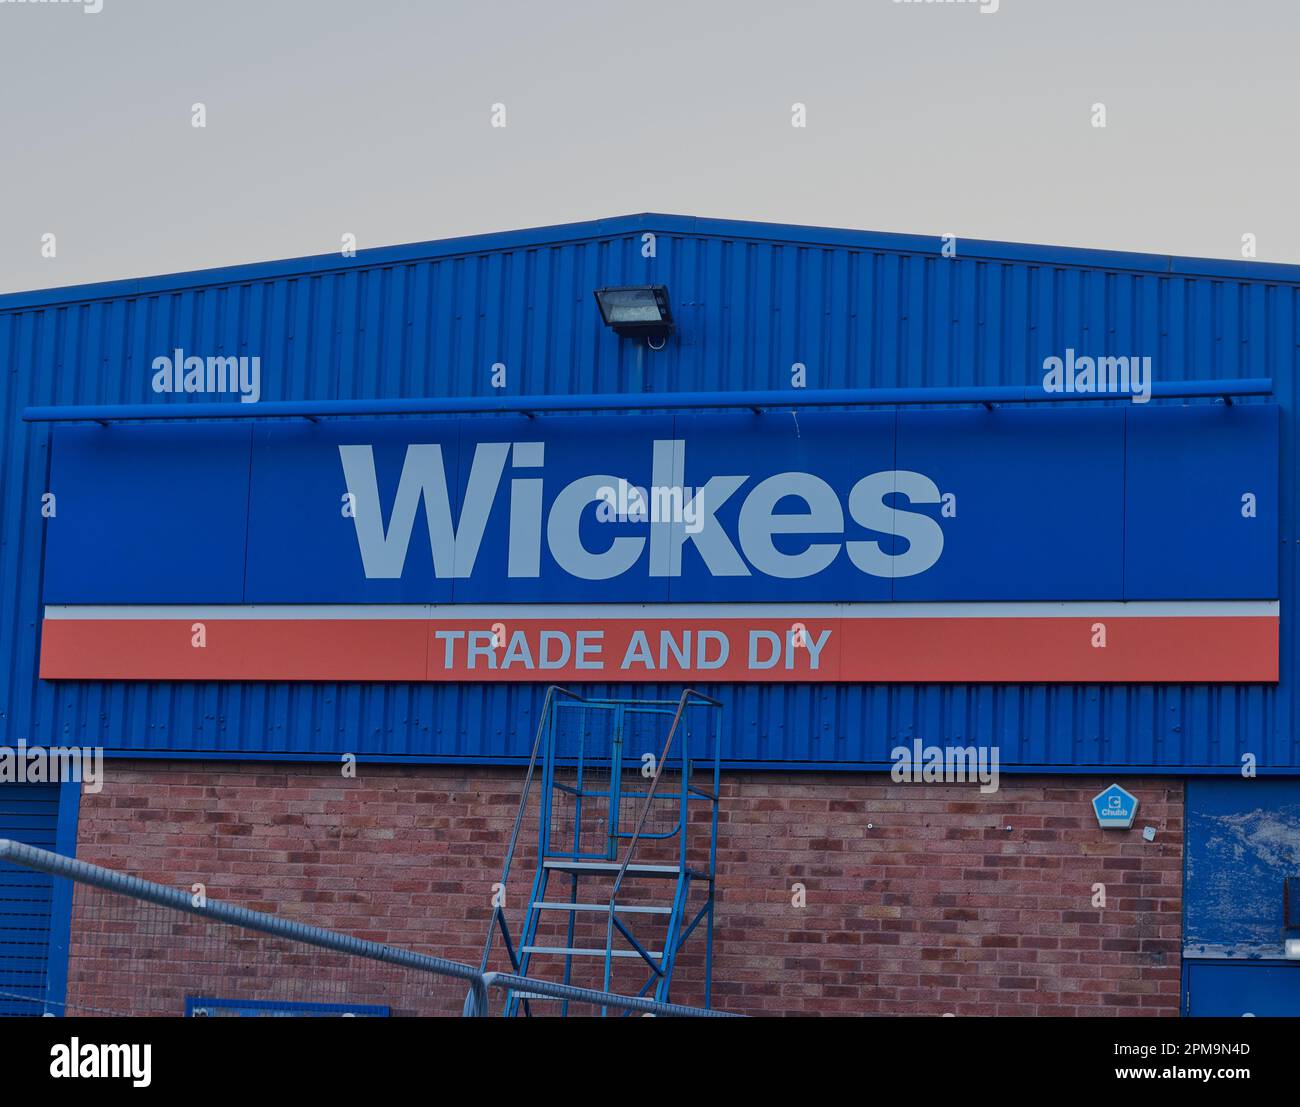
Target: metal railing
{"x":598,"y":999}
{"x":246,"y":985}
{"x":688,"y":791}
{"x":498,"y":920}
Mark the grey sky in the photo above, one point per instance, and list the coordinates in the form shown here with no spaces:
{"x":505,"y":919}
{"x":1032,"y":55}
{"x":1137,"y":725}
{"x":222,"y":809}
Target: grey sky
{"x":329,"y":116}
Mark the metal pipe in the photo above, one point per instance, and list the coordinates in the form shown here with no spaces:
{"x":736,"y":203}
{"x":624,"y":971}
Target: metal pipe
{"x":596,"y":998}
{"x":497,"y":912}
{"x":783,"y":399}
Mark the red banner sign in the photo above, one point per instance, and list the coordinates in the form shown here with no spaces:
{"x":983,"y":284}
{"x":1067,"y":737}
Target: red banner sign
{"x":1196,"y":642}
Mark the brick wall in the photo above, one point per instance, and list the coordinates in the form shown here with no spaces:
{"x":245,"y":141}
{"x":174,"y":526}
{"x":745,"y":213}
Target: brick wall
{"x":918,"y":899}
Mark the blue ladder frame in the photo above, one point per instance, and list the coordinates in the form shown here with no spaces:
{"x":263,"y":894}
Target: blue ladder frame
{"x":573,"y":859}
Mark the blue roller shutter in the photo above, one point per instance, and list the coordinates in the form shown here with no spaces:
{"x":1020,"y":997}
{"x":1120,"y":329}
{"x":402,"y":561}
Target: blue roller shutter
{"x":28,"y":915}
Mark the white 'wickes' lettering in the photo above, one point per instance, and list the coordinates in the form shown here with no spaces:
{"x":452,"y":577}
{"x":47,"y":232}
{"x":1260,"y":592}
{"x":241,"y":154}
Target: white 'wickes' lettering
{"x":873,"y":503}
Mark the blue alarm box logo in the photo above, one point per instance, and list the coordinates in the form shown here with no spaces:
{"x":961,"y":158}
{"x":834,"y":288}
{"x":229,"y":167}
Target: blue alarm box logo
{"x":1115,"y":808}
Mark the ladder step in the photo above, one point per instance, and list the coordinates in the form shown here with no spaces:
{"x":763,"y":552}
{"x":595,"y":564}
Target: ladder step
{"x":621,"y":910}
{"x":580,"y":951}
{"x":609,"y":867}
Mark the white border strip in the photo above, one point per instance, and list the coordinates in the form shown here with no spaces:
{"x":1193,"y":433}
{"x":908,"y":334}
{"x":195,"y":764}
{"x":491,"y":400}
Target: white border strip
{"x":598,"y":611}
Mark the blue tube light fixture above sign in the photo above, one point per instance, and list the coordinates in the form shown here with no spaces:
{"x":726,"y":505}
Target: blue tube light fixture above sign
{"x":752,"y":399}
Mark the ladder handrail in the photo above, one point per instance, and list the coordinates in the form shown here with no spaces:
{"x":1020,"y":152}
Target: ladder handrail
{"x":686,"y":695}
{"x":498,"y":911}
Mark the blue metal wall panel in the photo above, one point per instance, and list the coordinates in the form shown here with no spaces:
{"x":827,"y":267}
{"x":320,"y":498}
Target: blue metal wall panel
{"x":169,"y":517}
{"x":751,"y":300}
{"x":1198,"y":541}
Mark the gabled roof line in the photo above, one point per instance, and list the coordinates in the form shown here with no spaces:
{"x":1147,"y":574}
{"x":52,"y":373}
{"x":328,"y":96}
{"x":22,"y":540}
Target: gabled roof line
{"x":619,"y":226}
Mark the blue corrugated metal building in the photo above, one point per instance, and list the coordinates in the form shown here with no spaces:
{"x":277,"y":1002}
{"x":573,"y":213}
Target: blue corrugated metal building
{"x":858,"y":309}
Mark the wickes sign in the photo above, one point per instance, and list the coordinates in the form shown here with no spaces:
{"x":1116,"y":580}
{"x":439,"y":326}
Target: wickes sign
{"x":1070,"y":504}
{"x":771,"y":512}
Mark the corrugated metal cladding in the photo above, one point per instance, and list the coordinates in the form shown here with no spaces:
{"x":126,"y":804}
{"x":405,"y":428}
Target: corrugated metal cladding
{"x":857,"y":309}
{"x":29,"y":813}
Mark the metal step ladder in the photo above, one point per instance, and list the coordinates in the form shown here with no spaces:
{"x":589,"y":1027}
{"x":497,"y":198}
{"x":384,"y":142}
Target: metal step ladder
{"x":614,"y":831}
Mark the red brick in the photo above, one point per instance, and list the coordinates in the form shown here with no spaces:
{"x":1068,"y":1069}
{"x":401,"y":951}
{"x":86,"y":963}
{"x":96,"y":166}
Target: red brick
{"x":935,"y":909}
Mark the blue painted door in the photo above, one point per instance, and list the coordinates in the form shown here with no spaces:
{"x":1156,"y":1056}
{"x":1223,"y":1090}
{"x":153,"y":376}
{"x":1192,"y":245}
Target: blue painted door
{"x":1243,"y":845}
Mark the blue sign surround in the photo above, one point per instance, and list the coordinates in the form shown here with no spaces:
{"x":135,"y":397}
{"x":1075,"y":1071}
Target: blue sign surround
{"x":1102,"y":503}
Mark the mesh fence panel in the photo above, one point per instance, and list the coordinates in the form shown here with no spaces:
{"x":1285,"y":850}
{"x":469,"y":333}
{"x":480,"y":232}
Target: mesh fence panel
{"x":130,"y":957}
